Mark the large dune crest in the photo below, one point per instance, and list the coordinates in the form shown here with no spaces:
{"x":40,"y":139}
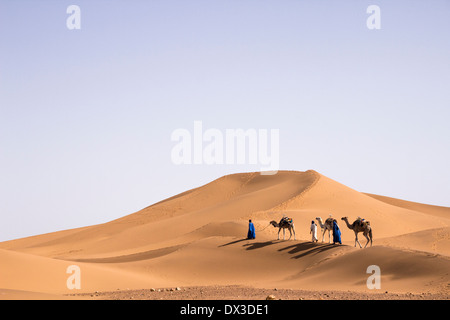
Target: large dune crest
{"x":198,"y":238}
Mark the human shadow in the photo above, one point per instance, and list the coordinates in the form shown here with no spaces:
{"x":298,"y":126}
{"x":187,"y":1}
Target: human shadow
{"x":234,"y":242}
{"x":308,"y":248}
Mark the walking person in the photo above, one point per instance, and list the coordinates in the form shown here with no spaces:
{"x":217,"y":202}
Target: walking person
{"x":313,"y":231}
{"x":336,"y":233}
{"x":251,"y":230}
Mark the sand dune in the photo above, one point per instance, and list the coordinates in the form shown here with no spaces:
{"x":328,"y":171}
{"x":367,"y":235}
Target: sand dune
{"x":431,"y":240}
{"x":401,"y":271}
{"x":197,"y":238}
{"x":7,"y":294}
{"x":437,"y":211}
{"x":29,"y":273}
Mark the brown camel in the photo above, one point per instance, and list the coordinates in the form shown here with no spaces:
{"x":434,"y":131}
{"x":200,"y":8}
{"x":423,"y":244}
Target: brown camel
{"x":327,"y":226}
{"x":357,"y":227}
{"x":284,"y":224}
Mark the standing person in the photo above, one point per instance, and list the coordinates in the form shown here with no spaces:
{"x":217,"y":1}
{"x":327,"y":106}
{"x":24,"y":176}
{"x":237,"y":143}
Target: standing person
{"x":313,"y":231}
{"x":251,"y":230}
{"x":336,"y":233}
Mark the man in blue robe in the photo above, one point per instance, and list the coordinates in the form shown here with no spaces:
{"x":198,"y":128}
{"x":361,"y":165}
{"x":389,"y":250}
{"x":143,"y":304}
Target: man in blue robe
{"x":336,"y":233}
{"x":251,"y":230}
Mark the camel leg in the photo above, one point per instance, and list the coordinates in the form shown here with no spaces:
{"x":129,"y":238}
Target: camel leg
{"x":291,"y":229}
{"x":323,"y":235}
{"x":279,"y":229}
{"x":368,"y":240}
{"x":284,"y":234}
{"x":356,"y":240}
{"x":329,"y":236}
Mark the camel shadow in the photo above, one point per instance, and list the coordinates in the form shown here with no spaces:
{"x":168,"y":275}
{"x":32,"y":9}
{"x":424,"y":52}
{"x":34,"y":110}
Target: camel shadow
{"x":307,"y":248}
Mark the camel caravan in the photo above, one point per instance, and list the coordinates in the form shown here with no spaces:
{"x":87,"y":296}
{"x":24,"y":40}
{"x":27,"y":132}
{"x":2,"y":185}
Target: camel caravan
{"x":330,"y":225}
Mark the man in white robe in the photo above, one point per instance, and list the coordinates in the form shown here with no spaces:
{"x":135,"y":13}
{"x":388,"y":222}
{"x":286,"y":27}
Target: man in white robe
{"x":313,"y":231}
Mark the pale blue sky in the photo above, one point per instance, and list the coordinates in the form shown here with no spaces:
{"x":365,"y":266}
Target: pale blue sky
{"x":86,"y":115}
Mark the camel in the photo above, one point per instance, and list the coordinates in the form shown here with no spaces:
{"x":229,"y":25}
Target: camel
{"x":366,"y":229}
{"x":284,"y":224}
{"x":328,"y":226}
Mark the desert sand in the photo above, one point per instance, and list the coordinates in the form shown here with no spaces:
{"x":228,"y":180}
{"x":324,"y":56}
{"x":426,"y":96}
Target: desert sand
{"x":196,"y":242}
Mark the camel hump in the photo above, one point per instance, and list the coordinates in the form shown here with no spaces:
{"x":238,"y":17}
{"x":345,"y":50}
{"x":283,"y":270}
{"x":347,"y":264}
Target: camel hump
{"x":329,"y":221}
{"x":362,"y":222}
{"x":286,"y":220}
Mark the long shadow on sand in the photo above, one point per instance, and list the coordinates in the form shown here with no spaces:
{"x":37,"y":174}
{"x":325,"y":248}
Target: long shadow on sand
{"x":307,"y":248}
{"x":304,"y":248}
{"x":259,"y":245}
{"x":250,"y":246}
{"x":233,"y":242}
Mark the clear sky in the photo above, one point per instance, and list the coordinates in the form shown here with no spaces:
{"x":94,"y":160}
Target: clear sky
{"x":86,"y":116}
